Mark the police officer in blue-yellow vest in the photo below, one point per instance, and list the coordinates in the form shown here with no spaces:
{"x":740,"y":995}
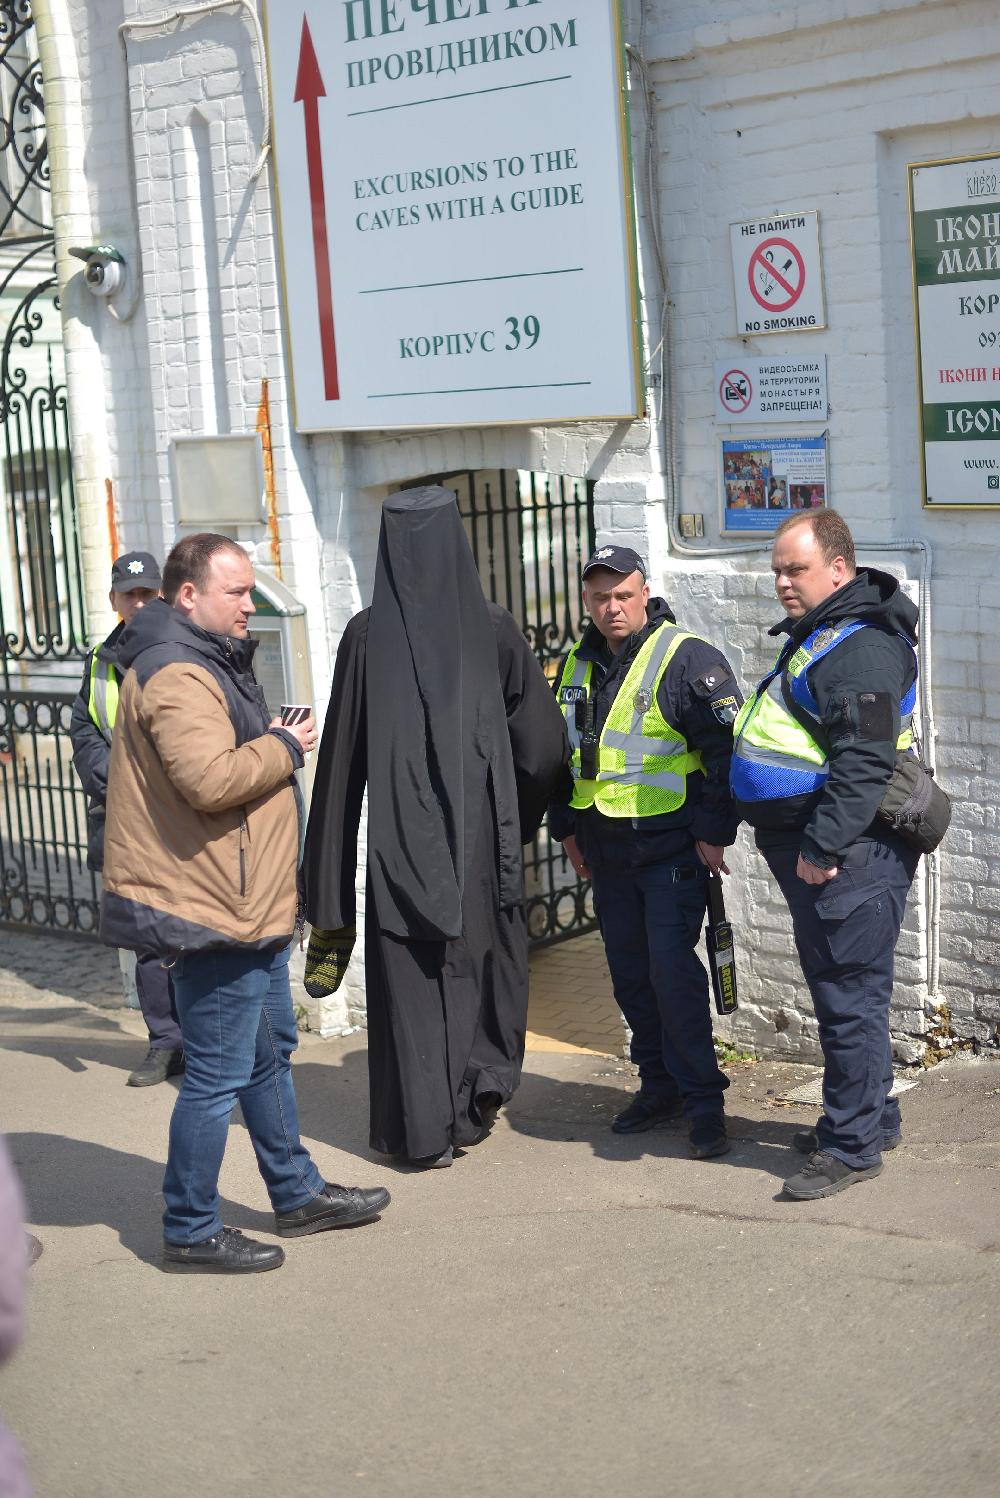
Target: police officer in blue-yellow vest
{"x":646,"y":815}
{"x":135,"y":581}
{"x":815,"y":748}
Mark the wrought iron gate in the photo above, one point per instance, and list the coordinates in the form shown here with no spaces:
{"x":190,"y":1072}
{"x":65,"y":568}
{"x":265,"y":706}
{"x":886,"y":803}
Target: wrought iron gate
{"x":531,"y":534}
{"x":43,"y":876}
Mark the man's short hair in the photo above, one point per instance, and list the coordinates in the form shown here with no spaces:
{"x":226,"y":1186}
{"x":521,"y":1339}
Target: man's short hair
{"x":191,"y":561}
{"x":830,"y":529}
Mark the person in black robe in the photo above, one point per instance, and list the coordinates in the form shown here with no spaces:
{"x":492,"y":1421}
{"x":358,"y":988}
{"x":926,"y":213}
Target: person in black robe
{"x":439,"y":704}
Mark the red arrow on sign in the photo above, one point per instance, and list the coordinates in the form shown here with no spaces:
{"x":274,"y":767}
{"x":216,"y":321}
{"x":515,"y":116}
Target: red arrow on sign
{"x":309,"y":90}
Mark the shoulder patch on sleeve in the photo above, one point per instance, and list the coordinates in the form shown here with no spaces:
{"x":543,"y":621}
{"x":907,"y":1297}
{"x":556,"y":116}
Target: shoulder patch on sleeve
{"x":725,"y":709}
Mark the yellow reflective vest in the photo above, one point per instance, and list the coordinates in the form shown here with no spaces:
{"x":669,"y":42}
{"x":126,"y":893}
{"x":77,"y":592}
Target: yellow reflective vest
{"x":642,"y":761}
{"x":102,"y":701}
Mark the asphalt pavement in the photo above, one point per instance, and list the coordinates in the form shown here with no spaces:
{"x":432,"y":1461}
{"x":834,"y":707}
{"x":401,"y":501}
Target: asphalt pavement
{"x":563,"y":1313}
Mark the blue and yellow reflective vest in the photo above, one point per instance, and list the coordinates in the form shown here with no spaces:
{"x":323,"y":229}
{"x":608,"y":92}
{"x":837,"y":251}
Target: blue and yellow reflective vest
{"x":774,"y":754}
{"x":642,"y":761}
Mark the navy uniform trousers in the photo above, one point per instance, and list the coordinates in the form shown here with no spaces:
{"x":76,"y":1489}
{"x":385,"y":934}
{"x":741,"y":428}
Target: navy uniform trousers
{"x":651,"y":917}
{"x":156,"y":1000}
{"x":846,"y":932}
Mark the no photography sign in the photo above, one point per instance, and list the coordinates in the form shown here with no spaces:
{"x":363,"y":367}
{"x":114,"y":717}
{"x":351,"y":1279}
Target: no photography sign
{"x":763,"y":390}
{"x":778,"y":274}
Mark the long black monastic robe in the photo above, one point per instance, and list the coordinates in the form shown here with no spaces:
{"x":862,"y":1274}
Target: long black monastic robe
{"x":440,"y":706}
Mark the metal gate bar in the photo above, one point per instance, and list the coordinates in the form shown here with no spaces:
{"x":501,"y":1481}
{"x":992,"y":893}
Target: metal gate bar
{"x":44,"y":879}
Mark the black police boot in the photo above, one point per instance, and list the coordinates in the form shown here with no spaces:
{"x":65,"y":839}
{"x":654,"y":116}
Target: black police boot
{"x":227,"y":1252}
{"x":708,"y":1136}
{"x":335,"y":1207}
{"x":823,"y":1174}
{"x":647,"y":1111}
{"x":159,"y":1064}
{"x":806,"y":1141}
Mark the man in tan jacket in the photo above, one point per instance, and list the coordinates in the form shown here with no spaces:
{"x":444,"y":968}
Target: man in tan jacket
{"x":200,"y":858}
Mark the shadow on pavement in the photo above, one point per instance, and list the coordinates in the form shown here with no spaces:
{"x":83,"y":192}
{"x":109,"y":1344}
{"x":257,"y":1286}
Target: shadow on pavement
{"x":580,"y":1111}
{"x":73,"y":1183}
{"x":333,"y":1103}
{"x":103,"y":1042}
{"x":333,"y":1109}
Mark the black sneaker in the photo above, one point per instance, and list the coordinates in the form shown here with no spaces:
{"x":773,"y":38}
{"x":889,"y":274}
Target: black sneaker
{"x":806,"y":1141}
{"x":647,"y":1112}
{"x":228,"y":1252}
{"x":336,"y":1207}
{"x":159,"y":1064}
{"x":708,"y":1136}
{"x":823,"y":1174}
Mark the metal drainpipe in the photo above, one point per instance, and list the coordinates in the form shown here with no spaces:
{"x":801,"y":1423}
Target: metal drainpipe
{"x":85,"y":383}
{"x":929,"y":740}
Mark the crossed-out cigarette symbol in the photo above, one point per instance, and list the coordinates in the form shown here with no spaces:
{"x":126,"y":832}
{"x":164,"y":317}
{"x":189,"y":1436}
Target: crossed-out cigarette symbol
{"x":777,"y":274}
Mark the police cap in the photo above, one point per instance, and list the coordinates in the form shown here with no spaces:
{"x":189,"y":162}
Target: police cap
{"x":617,"y":559}
{"x":135,"y":569}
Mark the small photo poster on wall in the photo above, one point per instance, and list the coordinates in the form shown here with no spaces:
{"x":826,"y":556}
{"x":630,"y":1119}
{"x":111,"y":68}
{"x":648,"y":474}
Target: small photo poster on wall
{"x":766,"y":479}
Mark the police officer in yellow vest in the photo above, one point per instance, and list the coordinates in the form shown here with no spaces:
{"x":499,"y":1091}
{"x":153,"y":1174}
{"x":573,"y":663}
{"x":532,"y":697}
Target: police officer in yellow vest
{"x":649,"y":709}
{"x":135,"y":580}
{"x":815,"y":748}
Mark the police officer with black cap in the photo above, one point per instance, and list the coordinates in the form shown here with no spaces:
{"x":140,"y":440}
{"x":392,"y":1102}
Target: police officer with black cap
{"x":647,"y":817}
{"x":135,"y":581}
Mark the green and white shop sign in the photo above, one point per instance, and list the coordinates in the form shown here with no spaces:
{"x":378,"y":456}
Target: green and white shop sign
{"x":955,"y":238}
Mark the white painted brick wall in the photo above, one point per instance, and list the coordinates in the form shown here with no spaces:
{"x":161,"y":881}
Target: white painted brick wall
{"x":822,"y":107}
{"x":811,"y":105}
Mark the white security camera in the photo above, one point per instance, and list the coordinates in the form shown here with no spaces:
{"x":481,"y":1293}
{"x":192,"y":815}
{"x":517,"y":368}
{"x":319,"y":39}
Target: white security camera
{"x":104,"y":270}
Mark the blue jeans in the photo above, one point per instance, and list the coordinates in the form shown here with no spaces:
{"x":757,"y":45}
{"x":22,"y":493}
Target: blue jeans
{"x":235,"y":1011}
{"x":846,"y":932}
{"x":651,"y":919}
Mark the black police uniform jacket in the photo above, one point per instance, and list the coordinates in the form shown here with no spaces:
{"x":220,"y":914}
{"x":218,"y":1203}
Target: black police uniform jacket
{"x":699,"y":696}
{"x":859,"y":686}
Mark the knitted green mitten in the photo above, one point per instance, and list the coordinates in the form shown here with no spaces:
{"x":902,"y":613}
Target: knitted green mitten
{"x":327,"y":956}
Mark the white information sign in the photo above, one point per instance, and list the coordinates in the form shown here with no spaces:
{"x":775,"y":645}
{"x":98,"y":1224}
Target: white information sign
{"x":955,"y":207}
{"x":778,"y":274}
{"x":761,"y":390}
{"x":455,"y":208}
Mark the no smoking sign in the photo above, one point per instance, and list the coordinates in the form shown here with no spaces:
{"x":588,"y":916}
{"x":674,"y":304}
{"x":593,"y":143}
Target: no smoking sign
{"x":777,"y":274}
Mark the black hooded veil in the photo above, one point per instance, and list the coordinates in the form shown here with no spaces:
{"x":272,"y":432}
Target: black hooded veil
{"x":440,"y":706}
